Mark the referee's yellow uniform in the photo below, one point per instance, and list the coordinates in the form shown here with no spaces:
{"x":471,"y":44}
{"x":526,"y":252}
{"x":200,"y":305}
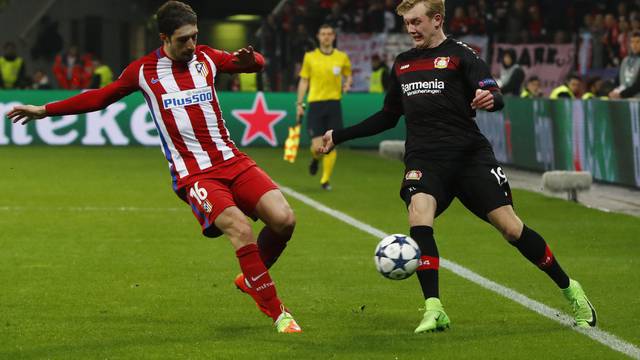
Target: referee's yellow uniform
{"x":325,"y":73}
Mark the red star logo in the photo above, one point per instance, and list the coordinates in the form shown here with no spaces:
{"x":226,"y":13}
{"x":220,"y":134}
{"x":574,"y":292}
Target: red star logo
{"x":259,"y":121}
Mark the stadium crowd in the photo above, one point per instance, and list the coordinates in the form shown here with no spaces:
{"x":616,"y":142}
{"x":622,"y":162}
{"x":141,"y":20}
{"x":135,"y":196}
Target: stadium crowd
{"x":605,"y":28}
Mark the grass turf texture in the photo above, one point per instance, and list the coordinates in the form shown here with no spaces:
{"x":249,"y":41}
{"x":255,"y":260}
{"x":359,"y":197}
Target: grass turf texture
{"x":144,"y":284}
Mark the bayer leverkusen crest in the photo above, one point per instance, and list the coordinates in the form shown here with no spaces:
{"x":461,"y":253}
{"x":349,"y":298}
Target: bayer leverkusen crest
{"x":441,"y":62}
{"x":259,"y":121}
{"x":413,"y":175}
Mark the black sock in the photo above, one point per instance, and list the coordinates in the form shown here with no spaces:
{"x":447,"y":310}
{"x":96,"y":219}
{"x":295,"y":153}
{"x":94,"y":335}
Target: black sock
{"x":429,"y":260}
{"x":535,"y":249}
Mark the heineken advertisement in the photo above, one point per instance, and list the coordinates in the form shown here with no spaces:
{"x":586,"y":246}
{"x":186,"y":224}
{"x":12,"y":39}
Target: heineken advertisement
{"x":602,"y":137}
{"x":252,"y":119}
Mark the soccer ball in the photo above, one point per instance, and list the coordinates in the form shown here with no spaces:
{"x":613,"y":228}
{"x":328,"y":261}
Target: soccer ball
{"x":397,"y":256}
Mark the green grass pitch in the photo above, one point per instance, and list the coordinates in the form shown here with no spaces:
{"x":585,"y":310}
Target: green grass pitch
{"x":82,"y":278}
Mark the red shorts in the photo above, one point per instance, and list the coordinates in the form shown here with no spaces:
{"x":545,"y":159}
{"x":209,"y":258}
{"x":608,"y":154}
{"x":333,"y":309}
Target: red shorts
{"x":241,"y":183}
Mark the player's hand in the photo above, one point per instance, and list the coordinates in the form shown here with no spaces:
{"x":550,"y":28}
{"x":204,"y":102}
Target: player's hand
{"x":346,"y":87}
{"x":26,"y":113}
{"x":483,"y":100}
{"x":615,"y":95}
{"x":327,"y":142}
{"x":244,"y":57}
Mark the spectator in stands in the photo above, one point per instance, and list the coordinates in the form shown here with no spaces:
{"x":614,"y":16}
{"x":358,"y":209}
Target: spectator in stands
{"x":73,"y":71}
{"x":597,"y":42}
{"x":532,"y":88}
{"x":48,"y":41}
{"x":629,"y":79}
{"x":379,"y":81}
{"x":594,"y":86}
{"x":516,"y":21}
{"x":624,"y":37}
{"x":511,"y":75}
{"x":458,"y":23}
{"x":570,"y":89}
{"x":271,"y":46}
{"x":102,"y":74}
{"x":12,"y":68}
{"x":535,"y":25}
{"x":40,"y":81}
{"x":475,"y":21}
{"x":375,"y":16}
{"x":635,"y":24}
{"x":301,"y":42}
{"x":390,"y":17}
{"x":610,"y":41}
{"x":338,"y":19}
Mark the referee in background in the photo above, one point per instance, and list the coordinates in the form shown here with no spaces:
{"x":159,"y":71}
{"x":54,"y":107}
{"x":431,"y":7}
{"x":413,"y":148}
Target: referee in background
{"x":326,"y":73}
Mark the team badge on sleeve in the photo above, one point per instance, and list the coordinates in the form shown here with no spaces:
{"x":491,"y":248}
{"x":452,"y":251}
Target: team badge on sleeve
{"x":441,"y":62}
{"x":487,"y":83}
{"x":413,"y":175}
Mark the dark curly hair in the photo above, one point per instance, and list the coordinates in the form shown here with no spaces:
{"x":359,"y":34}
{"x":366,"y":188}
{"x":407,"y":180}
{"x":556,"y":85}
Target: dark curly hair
{"x":174,"y":14}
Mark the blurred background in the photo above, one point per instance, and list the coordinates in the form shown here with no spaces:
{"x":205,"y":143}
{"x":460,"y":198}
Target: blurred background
{"x":595,"y":34}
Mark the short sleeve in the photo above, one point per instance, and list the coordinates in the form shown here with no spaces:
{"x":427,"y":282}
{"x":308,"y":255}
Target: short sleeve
{"x":346,"y":67}
{"x":305,"y":71}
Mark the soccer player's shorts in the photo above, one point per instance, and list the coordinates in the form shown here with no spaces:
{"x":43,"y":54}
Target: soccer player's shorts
{"x":322,"y":116}
{"x":242,"y":184}
{"x":481,"y":186}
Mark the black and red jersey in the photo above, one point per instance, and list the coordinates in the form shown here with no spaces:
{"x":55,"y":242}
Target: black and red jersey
{"x":434,"y":88}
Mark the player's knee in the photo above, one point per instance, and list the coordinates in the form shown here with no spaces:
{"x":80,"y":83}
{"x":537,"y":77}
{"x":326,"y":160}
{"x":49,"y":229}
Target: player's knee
{"x":237,"y":228}
{"x":422,"y":209}
{"x":511,"y":232}
{"x":285,"y":221}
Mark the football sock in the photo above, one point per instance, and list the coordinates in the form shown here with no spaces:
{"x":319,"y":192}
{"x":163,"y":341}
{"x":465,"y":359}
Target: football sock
{"x":328,"y":162}
{"x":427,"y":271}
{"x":257,"y":276}
{"x":535,"y":249}
{"x":271,"y":245}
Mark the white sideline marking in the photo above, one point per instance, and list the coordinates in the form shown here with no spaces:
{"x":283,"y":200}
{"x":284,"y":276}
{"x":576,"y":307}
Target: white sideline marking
{"x":89,"y":208}
{"x":596,"y":334}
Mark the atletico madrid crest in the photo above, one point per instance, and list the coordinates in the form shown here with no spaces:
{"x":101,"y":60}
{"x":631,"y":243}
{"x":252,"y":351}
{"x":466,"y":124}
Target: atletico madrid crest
{"x":441,"y":62}
{"x":202,"y":69}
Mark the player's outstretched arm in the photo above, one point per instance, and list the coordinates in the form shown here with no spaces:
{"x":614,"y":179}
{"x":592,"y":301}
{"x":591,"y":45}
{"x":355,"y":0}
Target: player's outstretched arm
{"x":25,"y":113}
{"x":374,"y":124}
{"x":244,"y":60}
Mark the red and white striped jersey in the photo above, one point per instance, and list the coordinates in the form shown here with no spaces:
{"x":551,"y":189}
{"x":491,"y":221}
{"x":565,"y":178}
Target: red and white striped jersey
{"x":183,"y":103}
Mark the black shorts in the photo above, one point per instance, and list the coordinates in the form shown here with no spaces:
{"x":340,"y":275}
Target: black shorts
{"x":322,"y":116}
{"x":476,"y":180}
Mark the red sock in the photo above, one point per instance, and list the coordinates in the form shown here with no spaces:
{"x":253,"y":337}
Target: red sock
{"x":258,"y":277}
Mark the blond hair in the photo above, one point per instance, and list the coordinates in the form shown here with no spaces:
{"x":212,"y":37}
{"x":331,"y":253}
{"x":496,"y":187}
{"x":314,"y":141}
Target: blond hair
{"x":433,"y":7}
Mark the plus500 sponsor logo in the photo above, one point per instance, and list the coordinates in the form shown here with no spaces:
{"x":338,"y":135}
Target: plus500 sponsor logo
{"x":187,"y":97}
{"x":423,"y":87}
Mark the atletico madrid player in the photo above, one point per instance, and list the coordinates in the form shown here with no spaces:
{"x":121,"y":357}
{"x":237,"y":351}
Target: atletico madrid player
{"x":221,"y":184}
{"x":438,"y":86}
